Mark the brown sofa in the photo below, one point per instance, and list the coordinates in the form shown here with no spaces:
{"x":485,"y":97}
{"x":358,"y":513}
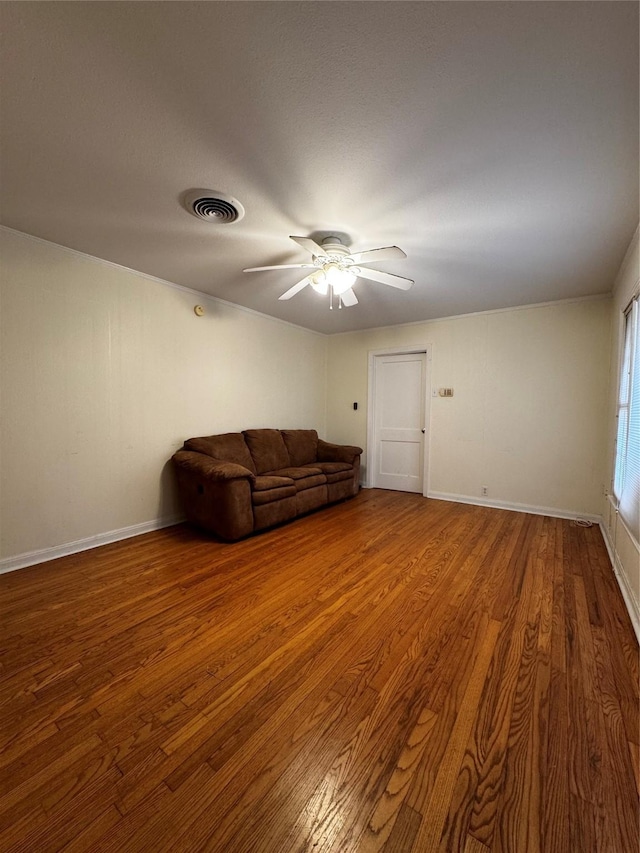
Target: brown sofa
{"x":239,"y":482}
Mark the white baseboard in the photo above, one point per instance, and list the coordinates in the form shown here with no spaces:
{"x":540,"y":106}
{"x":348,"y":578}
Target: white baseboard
{"x":31,"y":558}
{"x":554,"y":512}
{"x":633,"y":607}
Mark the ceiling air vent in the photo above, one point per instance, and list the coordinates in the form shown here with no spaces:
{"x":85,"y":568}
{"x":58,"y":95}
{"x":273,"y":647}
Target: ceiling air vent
{"x":213,"y":206}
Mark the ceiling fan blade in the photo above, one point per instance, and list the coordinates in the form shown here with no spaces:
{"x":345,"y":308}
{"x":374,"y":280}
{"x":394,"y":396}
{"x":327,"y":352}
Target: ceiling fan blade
{"x":296,"y":288}
{"x":349,"y":298}
{"x":310,"y":246}
{"x":390,"y":253}
{"x":386,"y":278}
{"x":280,"y":267}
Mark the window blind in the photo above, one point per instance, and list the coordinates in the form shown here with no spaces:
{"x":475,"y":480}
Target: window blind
{"x":626,"y":479}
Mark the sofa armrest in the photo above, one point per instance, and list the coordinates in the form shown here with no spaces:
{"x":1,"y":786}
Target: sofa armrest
{"x":209,"y":468}
{"x":328,"y":452}
{"x":216,"y":495}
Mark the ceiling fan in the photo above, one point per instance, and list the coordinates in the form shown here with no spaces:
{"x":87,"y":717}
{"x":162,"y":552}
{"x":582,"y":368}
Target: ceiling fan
{"x":334,"y":269}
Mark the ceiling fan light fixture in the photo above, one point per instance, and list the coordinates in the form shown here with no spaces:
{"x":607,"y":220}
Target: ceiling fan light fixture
{"x":319,"y":283}
{"x":339,"y":279}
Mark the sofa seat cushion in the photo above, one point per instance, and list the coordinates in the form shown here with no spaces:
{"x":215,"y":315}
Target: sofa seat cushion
{"x":339,"y":476}
{"x":304,"y":477}
{"x":268,"y":496}
{"x":331,"y":467}
{"x":267,"y":449}
{"x":298,"y":473}
{"x":310,"y":482}
{"x":302,"y":445}
{"x":269,"y":488}
{"x":335,"y":472}
{"x":263,"y":482}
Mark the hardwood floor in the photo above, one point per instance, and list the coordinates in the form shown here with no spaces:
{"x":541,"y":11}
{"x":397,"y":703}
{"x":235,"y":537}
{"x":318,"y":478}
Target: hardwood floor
{"x":392,"y":674}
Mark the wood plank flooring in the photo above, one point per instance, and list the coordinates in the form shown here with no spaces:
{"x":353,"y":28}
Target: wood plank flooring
{"x":392,"y":674}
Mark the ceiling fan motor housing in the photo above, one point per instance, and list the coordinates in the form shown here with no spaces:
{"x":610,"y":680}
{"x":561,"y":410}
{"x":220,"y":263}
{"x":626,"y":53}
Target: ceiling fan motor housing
{"x":334,"y":246}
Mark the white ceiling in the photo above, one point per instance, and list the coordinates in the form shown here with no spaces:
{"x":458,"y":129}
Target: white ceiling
{"x":496,"y":143}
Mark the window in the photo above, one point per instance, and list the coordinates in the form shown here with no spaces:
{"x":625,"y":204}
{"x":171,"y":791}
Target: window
{"x":626,"y":476}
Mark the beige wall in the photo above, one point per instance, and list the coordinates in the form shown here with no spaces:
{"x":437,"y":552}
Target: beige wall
{"x":625,"y":550}
{"x":105,"y":372}
{"x":527,"y":417}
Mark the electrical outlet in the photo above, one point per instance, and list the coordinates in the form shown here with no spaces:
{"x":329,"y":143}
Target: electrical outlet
{"x":484,"y":491}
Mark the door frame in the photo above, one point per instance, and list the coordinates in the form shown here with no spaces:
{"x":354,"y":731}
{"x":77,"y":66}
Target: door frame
{"x":427,"y":349}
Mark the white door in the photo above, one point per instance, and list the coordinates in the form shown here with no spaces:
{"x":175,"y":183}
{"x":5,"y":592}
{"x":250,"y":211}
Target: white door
{"x":399,"y":428}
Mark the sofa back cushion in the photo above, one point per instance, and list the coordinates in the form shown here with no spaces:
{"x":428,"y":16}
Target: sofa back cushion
{"x":267,"y":449}
{"x":302,"y":445}
{"x":229,"y":447}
